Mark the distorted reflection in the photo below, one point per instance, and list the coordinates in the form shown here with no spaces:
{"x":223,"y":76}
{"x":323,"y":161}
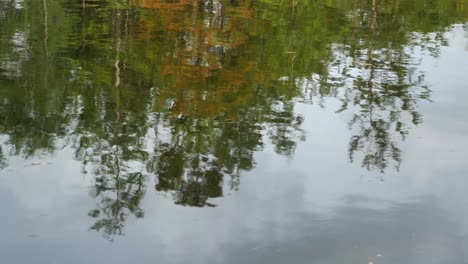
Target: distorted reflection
{"x":187,"y":91}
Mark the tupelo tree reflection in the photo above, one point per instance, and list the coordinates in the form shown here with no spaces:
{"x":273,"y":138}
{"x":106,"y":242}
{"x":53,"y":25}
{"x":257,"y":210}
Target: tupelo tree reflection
{"x":185,"y":92}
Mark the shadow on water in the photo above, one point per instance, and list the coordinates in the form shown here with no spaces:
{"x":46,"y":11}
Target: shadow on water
{"x":186,"y":92}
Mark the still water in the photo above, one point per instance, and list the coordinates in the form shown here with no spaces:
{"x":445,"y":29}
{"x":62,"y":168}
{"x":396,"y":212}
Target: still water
{"x":259,"y":131}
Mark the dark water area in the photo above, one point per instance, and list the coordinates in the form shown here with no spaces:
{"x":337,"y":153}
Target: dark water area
{"x":216,"y":131}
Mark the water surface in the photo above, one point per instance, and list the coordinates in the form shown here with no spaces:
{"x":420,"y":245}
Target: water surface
{"x":152,"y":131}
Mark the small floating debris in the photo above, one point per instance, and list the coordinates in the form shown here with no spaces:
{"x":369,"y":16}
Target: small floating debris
{"x":37,"y":163}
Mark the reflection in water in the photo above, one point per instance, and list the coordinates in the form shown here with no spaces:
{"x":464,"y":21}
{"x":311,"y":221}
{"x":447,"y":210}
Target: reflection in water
{"x":187,"y":91}
{"x":415,"y":232}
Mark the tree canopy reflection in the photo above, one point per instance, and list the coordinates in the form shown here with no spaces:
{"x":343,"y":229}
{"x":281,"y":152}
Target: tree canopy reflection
{"x":187,"y":91}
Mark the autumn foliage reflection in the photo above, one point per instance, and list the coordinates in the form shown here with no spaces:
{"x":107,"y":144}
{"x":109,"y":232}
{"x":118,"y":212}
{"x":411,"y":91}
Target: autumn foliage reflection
{"x":179,"y":95}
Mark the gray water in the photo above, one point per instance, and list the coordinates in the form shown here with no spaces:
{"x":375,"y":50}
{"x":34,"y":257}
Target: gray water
{"x":233,"y":132}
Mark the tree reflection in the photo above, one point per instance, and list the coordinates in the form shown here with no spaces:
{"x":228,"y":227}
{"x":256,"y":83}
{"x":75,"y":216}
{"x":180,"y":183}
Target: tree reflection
{"x":185,"y":92}
{"x":376,"y":78}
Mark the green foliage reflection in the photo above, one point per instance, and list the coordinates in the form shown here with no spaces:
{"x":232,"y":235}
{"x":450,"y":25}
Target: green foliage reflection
{"x":187,"y":91}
